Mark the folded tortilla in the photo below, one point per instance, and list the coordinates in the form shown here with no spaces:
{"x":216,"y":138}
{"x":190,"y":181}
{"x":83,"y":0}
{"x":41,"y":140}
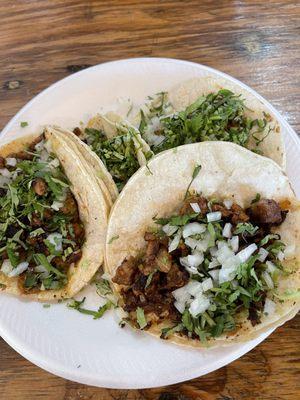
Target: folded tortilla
{"x":93,"y":211}
{"x":227,"y":171}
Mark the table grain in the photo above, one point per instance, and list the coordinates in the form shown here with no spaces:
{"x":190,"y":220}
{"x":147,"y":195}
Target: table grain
{"x":258,"y":42}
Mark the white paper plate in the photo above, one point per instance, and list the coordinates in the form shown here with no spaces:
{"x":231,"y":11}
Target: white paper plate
{"x":72,"y":345}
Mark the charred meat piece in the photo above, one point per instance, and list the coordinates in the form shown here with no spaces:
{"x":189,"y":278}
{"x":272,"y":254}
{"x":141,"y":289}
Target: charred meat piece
{"x":176,"y":278}
{"x":225,"y":212}
{"x":74,"y":257}
{"x":125,"y":272}
{"x":23,"y":155}
{"x":238,"y":214}
{"x":77,"y":131}
{"x":35,"y":220}
{"x":187,"y":209}
{"x":70,"y":206}
{"x":163,"y":260}
{"x":39,"y":186}
{"x":265,"y":211}
{"x":78,"y":230}
{"x":35,"y":142}
{"x":2,"y":162}
{"x":152,"y":246}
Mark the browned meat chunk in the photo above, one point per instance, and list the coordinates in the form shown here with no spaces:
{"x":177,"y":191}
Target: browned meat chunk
{"x":35,"y":220}
{"x":125,"y":272}
{"x":176,"y":278}
{"x":2,"y":162}
{"x":152,"y":246}
{"x":35,"y":142}
{"x":163,"y":261}
{"x":225,"y":212}
{"x":78,"y":230}
{"x":187,"y":209}
{"x":265,"y":211}
{"x":74,"y":257}
{"x":77,"y":131}
{"x":23,"y":155}
{"x":70,"y":206}
{"x":48,"y":214}
{"x":39,"y":186}
{"x":239,"y":214}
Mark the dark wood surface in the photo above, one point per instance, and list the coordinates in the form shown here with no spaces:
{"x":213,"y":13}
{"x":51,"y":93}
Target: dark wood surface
{"x":258,"y":42}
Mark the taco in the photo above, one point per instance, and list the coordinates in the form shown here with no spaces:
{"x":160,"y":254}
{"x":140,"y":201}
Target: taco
{"x":197,"y":110}
{"x":205,"y":250}
{"x":53,"y":219}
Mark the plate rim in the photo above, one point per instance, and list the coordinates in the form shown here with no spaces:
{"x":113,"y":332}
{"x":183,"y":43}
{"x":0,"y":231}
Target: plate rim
{"x":79,"y":376}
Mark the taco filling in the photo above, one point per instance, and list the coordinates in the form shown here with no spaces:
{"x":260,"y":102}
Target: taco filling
{"x":41,"y":234}
{"x":206,"y":269}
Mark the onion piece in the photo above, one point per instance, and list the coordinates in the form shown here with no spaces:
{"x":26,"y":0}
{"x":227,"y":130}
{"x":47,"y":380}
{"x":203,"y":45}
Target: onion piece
{"x":269,"y":307}
{"x":246,"y":253}
{"x":19,"y":269}
{"x":263,"y":254}
{"x":11,"y":161}
{"x":175,"y":242}
{"x":207,"y":284}
{"x":56,"y":205}
{"x":214,"y":216}
{"x":6,"y":267}
{"x":55,"y":239}
{"x":5,"y":172}
{"x":228,"y":203}
{"x":169,"y":229}
{"x":271,"y":268}
{"x":213,"y":264}
{"x":192,"y":260}
{"x":268,"y":280}
{"x":234,"y":243}
{"x":214,"y":274}
{"x":181,"y":295}
{"x":196,"y":208}
{"x":179,"y":306}
{"x":193,"y":228}
{"x":199,"y":305}
{"x":227,"y":230}
{"x":194,"y":288}
{"x":192,"y":243}
{"x":280,"y":256}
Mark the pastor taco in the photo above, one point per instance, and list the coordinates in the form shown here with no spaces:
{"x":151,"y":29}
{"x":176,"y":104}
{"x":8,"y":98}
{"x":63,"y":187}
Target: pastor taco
{"x":53,"y":219}
{"x":205,"y":250}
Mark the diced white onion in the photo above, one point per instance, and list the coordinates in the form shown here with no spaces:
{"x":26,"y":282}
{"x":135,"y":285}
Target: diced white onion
{"x":227,"y":230}
{"x":194,"y":288}
{"x":174,"y":242}
{"x":213,"y":263}
{"x":195,"y":207}
{"x":5,"y":172}
{"x":207,"y":284}
{"x":6,"y":267}
{"x":193,"y":228}
{"x":271,"y":268}
{"x":269,"y":307}
{"x":199,"y":305}
{"x":192,"y":260}
{"x":11,"y":161}
{"x":213,"y":251}
{"x":56,"y":240}
{"x":180,"y":306}
{"x":263,"y":254}
{"x":169,"y":229}
{"x":228,"y":203}
{"x":214,"y":216}
{"x":280,"y":255}
{"x":268,"y":280}
{"x":56,"y":205}
{"x":181,"y":294}
{"x":234,"y":243}
{"x":227,"y":274}
{"x":246,"y":253}
{"x":192,"y":243}
{"x":231,"y":262}
{"x":224,"y":253}
{"x":202,"y":244}
{"x":215,"y":274}
{"x":19,"y":269}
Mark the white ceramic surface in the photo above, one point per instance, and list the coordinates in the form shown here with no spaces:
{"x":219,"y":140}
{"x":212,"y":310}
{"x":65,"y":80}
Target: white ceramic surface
{"x":72,"y":345}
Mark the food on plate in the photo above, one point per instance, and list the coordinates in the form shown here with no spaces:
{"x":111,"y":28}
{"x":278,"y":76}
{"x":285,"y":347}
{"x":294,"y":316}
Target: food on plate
{"x":205,"y":249}
{"x":53,"y":218}
{"x":197,"y":110}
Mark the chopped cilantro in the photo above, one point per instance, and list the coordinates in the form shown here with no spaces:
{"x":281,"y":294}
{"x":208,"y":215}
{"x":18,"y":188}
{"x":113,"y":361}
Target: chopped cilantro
{"x":23,"y":124}
{"x":140,"y":317}
{"x":76,"y":305}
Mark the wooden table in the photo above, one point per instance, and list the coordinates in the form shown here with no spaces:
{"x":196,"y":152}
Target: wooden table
{"x":258,"y":42}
